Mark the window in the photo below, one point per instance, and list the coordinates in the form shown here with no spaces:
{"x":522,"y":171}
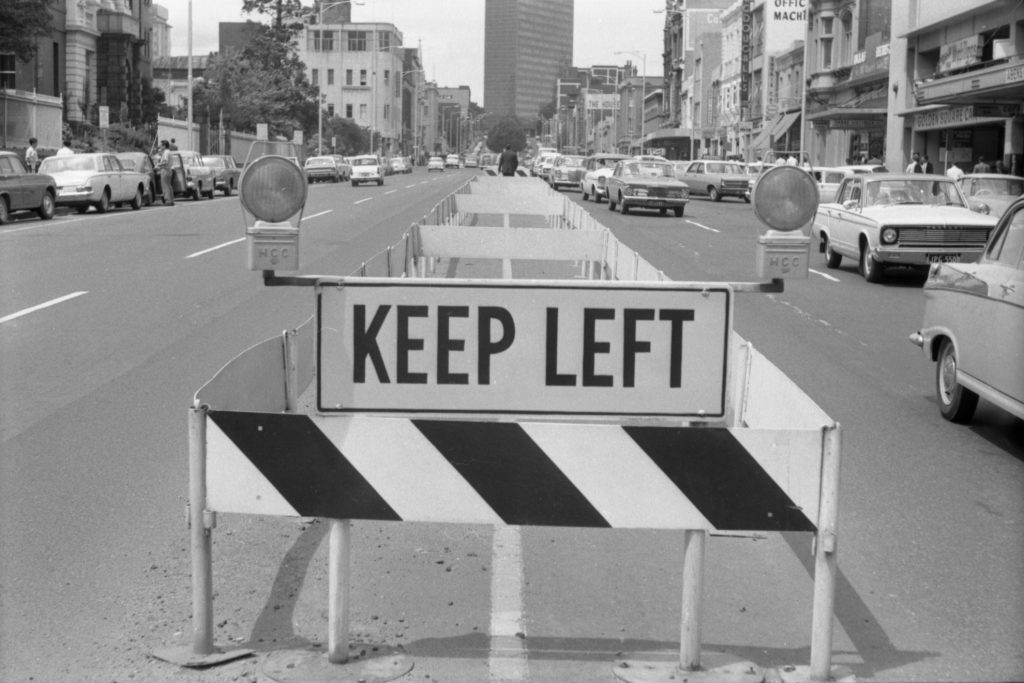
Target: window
{"x":315,"y":77}
{"x":363,"y":112}
{"x":387,"y":111}
{"x":330,"y":77}
{"x":383,"y":40}
{"x":387,"y":77}
{"x":825,"y":43}
{"x":847,"y":44}
{"x":7,"y":71}
{"x":357,"y":41}
{"x":330,"y":110}
{"x":348,"y":111}
{"x":362,"y":77}
{"x":348,"y":77}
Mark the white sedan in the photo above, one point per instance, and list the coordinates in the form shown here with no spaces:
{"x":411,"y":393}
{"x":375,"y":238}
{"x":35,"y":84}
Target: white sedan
{"x":899,"y":219}
{"x":367,"y":168}
{"x":95,"y":179}
{"x":435,"y":164}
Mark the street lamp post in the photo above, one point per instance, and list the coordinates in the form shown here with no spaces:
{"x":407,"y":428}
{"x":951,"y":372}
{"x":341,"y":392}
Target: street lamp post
{"x":643,"y":96}
{"x":319,"y":96}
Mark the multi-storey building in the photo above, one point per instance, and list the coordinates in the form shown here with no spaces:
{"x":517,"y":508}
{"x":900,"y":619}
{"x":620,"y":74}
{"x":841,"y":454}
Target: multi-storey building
{"x":957,"y":83}
{"x":359,"y":71}
{"x":631,"y":126}
{"x":527,"y":44}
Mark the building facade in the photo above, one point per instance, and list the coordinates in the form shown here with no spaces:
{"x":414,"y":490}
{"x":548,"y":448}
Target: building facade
{"x":527,"y":45}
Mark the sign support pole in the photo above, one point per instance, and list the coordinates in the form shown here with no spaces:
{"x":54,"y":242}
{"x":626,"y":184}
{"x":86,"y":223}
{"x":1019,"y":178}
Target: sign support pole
{"x":825,"y":560}
{"x":338,"y":591}
{"x":694,"y":543}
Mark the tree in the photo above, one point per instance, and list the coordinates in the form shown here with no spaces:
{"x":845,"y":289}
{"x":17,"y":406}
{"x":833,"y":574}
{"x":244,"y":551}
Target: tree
{"x":352,"y":138}
{"x":22,"y":23}
{"x":508,"y":131}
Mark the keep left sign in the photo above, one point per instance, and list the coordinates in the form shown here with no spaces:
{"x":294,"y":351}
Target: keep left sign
{"x":533,"y":348}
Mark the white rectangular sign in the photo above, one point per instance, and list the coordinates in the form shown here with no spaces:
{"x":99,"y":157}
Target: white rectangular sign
{"x":608,"y":350}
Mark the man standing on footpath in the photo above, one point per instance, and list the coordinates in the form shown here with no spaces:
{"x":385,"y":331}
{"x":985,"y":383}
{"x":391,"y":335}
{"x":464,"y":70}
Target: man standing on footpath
{"x":166,"y":173}
{"x":508,"y":162}
{"x":32,"y":156}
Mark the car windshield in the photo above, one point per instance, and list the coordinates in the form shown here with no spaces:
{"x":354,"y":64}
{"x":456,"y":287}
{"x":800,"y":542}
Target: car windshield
{"x":648,"y":169}
{"x":368,"y":161}
{"x":986,"y":187}
{"x":213,"y":161}
{"x":74,"y":162}
{"x":320,"y":161}
{"x":908,"y":191}
{"x":573,"y":161}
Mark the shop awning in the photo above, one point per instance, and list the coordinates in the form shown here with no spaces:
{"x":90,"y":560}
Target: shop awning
{"x":761,"y":141}
{"x":785,"y":123}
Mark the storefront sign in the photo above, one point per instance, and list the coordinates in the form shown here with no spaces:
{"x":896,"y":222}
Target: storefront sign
{"x":959,"y":54}
{"x":1015,"y":74}
{"x":746,"y":50}
{"x":856,"y":124}
{"x":954,"y":117}
{"x":602,"y":101}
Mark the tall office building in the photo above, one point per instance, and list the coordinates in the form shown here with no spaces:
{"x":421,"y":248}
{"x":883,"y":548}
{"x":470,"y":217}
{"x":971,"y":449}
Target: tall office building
{"x":527,"y":44}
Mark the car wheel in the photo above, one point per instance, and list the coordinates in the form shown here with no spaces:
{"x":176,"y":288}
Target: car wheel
{"x":679,"y":210}
{"x":622,"y":206}
{"x":103,"y":205}
{"x":5,"y":214}
{"x":82,"y":209}
{"x":832,"y":258}
{"x":45,"y":210}
{"x":229,"y":187}
{"x":380,"y":182}
{"x":869,"y":267}
{"x":611,"y":204}
{"x":663,"y":212}
{"x":137,"y":199}
{"x":956,"y":403}
{"x":585,"y":196}
{"x":150,"y":195}
{"x":746,"y":198}
{"x":713,"y":194}
{"x":195,"y":195}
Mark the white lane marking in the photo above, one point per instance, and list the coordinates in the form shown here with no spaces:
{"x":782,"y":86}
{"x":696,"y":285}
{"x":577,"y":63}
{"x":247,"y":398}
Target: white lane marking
{"x":317,"y":215}
{"x":391,"y":191}
{"x":47,"y":304}
{"x":219,"y":246}
{"x":408,"y":186}
{"x":507,"y":660}
{"x":824,"y":275}
{"x":702,"y":227}
{"x":363,"y":200}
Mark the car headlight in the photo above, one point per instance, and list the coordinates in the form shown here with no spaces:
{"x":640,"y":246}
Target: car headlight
{"x":889,"y":235}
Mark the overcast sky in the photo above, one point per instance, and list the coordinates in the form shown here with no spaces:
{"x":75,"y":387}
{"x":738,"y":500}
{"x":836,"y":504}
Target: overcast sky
{"x":451,"y":32}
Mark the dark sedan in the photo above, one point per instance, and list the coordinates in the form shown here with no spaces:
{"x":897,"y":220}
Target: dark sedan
{"x":640,"y":184}
{"x":225,"y":172}
{"x":24,"y":191}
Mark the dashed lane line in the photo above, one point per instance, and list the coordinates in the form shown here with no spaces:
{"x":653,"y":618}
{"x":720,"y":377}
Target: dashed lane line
{"x":39,"y":307}
{"x":365,"y":199}
{"x":824,"y":275}
{"x":219,"y":246}
{"x":702,"y":227}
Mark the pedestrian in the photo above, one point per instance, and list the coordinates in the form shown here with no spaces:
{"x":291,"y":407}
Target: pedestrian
{"x":981,"y":166}
{"x":66,"y":149}
{"x":955,"y":172}
{"x":915,"y":165}
{"x":32,"y":156}
{"x":791,"y":160}
{"x":166,"y":173}
{"x":508,"y":162}
{"x":926,"y":166}
{"x":1000,"y":167}
{"x":174,"y":145}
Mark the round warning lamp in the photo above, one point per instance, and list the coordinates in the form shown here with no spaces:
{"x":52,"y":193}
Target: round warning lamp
{"x":785,"y":198}
{"x":273,"y":188}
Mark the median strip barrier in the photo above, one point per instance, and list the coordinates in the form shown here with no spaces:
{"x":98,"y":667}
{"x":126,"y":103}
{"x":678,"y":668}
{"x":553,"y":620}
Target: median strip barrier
{"x":422,"y":403}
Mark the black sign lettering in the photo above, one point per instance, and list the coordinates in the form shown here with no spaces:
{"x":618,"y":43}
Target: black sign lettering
{"x":551,"y":376}
{"x":488,"y":346}
{"x":592,"y":347}
{"x":676,"y":316}
{"x":446,"y":345}
{"x":364,"y":343}
{"x":407,"y":344}
{"x":631,"y":345}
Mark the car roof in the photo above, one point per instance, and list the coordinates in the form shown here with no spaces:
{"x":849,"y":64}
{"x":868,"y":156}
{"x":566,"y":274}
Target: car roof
{"x":900,"y":176}
{"x":991,"y":175}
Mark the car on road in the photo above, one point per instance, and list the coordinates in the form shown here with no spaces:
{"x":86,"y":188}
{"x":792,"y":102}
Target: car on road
{"x":472,"y":161}
{"x":567,"y":171}
{"x":94,"y":179}
{"x":399,"y":165}
{"x":973,"y":325}
{"x":595,"y":174}
{"x":828,"y":181}
{"x":198,"y":180}
{"x":451,"y":161}
{"x":225,"y":172}
{"x":715,"y":179}
{"x":344,"y":165}
{"x":636,"y":184}
{"x":542,"y":164}
{"x":367,"y":168}
{"x":322,"y":168}
{"x":435,"y":164}
{"x":996,"y":191}
{"x":899,"y":219}
{"x":142,"y":162}
{"x":24,"y":191}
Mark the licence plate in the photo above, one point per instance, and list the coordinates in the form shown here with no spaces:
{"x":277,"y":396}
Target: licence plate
{"x":944,"y":258}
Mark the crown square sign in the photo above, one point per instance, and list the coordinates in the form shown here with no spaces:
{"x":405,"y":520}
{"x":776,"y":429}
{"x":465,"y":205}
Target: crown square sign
{"x":608,"y":350}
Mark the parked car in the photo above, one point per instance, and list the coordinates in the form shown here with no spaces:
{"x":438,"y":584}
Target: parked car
{"x":973,"y":325}
{"x":994,"y":190}
{"x":542,"y":165}
{"x":322,"y":168}
{"x":24,"y":191}
{"x":566,"y":171}
{"x":864,"y":168}
{"x":198,"y":180}
{"x":344,"y":166}
{"x":141,"y":162}
{"x":595,"y":174}
{"x":715,"y":179}
{"x":899,"y":219}
{"x":398,"y":165}
{"x":225,"y":172}
{"x":472,"y":161}
{"x":646,"y":185}
{"x":94,"y":179}
{"x":367,"y":168}
{"x":451,"y":161}
{"x":435,"y":164}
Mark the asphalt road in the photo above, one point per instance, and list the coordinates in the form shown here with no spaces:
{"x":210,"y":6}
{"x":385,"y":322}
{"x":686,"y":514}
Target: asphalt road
{"x":93,"y":476}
